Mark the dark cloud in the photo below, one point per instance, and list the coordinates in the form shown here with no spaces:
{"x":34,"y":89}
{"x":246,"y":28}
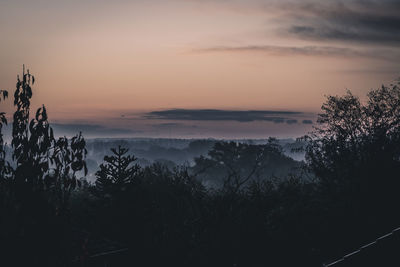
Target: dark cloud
{"x":307,"y":122}
{"x":223,"y":115}
{"x":371,"y":27}
{"x":291,"y":121}
{"x":87,"y":129}
{"x":366,"y":21}
{"x":362,"y":21}
{"x":327,"y":51}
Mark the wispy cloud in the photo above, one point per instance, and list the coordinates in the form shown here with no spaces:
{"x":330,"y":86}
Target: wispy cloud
{"x":364,"y":21}
{"x":323,"y":51}
{"x":224,"y":115}
{"x":335,"y":28}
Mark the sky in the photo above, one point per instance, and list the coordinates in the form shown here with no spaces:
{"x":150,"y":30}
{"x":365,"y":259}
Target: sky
{"x":196,"y":68}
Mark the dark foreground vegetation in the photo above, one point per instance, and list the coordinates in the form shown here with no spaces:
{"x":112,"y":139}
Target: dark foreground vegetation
{"x":344,"y":195}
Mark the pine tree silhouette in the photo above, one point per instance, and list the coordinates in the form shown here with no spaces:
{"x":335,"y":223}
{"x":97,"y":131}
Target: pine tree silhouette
{"x":117,"y":171}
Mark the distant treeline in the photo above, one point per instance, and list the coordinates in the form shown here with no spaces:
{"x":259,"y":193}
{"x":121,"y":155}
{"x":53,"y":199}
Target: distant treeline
{"x":240,"y":204}
{"x":171,"y":152}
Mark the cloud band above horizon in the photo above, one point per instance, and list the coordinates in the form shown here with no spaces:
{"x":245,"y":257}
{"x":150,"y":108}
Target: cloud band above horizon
{"x":225,"y":115}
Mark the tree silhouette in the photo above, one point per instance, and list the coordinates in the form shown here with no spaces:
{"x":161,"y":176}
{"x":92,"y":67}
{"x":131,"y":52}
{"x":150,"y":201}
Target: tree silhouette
{"x":35,"y":191}
{"x":67,"y":159}
{"x":355,"y":140}
{"x":354,"y":153}
{"x":31,"y":140}
{"x":236,"y":164}
{"x":41,"y":160}
{"x":5,"y":168}
{"x":117,"y":171}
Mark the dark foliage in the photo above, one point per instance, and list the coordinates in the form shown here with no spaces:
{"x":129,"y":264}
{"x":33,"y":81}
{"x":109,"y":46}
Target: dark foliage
{"x":355,"y":156}
{"x":233,"y":165}
{"x":34,"y":194}
{"x":266,"y":210}
{"x":117,"y":173}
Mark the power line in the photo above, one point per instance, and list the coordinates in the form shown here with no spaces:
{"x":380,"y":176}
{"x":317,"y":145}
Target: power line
{"x":361,"y":248}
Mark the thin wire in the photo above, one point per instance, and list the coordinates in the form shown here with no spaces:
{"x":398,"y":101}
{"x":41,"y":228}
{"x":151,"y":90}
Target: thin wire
{"x":361,"y":248}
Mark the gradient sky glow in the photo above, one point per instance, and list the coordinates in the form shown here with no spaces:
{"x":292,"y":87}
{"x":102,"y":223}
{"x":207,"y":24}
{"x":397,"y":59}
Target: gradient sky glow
{"x":109,"y":63}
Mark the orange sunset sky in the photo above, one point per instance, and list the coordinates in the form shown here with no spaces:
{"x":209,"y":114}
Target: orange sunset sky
{"x":109,"y":65}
